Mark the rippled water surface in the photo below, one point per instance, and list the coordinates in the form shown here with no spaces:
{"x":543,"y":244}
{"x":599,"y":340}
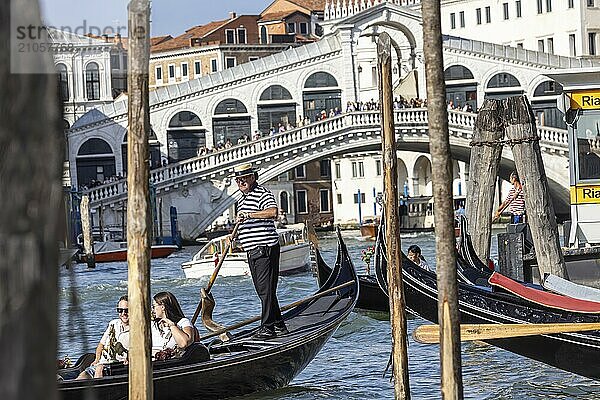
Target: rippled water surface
{"x":351,"y":364}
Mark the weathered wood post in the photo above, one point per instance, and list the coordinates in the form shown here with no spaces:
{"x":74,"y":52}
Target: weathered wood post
{"x":86,"y":231}
{"x":139,"y":222}
{"x":441,"y":166}
{"x":486,"y":151}
{"x":392,"y":222}
{"x":522,"y":132}
{"x":31,"y":155}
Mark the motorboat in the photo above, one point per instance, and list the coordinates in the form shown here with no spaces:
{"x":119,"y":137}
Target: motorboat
{"x":295,"y":255}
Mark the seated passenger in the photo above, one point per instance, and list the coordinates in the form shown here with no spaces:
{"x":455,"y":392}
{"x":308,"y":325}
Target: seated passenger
{"x":114,"y":343}
{"x":170,"y":328}
{"x":414,"y":254}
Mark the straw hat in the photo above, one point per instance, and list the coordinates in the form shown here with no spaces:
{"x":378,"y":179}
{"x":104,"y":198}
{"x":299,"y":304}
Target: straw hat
{"x":243,"y":170}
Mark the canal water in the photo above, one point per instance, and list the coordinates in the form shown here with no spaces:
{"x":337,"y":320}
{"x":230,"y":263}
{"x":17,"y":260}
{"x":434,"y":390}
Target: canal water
{"x":351,"y":364}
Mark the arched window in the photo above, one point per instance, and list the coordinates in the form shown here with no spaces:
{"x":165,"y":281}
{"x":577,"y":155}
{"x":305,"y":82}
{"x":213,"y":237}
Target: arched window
{"x":548,"y":88}
{"x":320,"y":79}
{"x":275,"y":92}
{"x":231,"y":106}
{"x":94,"y":146}
{"x":503,"y":80}
{"x":263,"y":35}
{"x":63,"y":82}
{"x":457,"y":72}
{"x":92,"y":81}
{"x":183,"y":119}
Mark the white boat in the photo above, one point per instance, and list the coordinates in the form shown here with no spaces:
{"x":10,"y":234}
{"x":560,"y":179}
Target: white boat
{"x":295,"y":255}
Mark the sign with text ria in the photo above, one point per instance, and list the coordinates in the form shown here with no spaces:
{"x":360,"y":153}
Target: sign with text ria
{"x":585,"y":100}
{"x":589,"y":194}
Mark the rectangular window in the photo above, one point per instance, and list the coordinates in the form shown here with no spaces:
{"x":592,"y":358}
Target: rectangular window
{"x":590,"y":3}
{"x":571,"y":4}
{"x":478,"y":15}
{"x":325,"y":205}
{"x":229,"y":62}
{"x":325,"y":166}
{"x":572,"y":49}
{"x":300,"y":172}
{"x":338,"y":171}
{"x":291,"y":27}
{"x":362,"y":198}
{"x":115,"y":61}
{"x":361,"y":169}
{"x":213,"y":65}
{"x":462,"y":19}
{"x":184,"y":70}
{"x":301,"y":203}
{"x":541,"y":45}
{"x":505,"y":7}
{"x":171,"y":71}
{"x":374,"y":76}
{"x":197,"y":68}
{"x":452,"y":21}
{"x":253,"y":58}
{"x":548,"y":5}
{"x":519,"y":8}
{"x":378,"y":167}
{"x":159,"y":73}
{"x":354,"y":169}
{"x":488,"y":14}
{"x":592,"y":43}
{"x":229,"y":36}
{"x":339,"y":198}
{"x":241,"y":35}
{"x":539,"y":6}
{"x":303,"y":28}
{"x":550,"y":44}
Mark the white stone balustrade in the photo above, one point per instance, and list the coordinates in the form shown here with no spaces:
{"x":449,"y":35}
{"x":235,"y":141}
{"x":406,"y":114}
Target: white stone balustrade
{"x":221,"y":163}
{"x":337,"y":9}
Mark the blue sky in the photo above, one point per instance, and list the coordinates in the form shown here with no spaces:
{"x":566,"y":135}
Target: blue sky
{"x":171,"y":17}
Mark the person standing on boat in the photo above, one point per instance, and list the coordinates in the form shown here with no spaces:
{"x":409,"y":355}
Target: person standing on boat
{"x":257,"y":211}
{"x":515,"y":201}
{"x":114,"y":343}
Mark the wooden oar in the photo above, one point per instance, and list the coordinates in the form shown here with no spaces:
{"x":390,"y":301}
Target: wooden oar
{"x":430,"y":334}
{"x":211,"y":281}
{"x":284,"y":308}
{"x":507,"y":204}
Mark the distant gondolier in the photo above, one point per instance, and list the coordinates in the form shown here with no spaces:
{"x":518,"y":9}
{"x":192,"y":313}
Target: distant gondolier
{"x":514,"y":202}
{"x":257,"y":211}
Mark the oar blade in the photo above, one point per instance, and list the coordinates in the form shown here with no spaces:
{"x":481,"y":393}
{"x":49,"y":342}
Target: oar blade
{"x":430,"y":334}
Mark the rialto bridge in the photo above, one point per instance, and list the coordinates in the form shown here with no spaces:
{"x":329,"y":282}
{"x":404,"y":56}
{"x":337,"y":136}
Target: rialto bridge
{"x":298,"y":84}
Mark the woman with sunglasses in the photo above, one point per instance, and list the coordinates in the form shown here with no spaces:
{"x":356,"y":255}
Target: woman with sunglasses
{"x":108,"y":350}
{"x":170,"y":328}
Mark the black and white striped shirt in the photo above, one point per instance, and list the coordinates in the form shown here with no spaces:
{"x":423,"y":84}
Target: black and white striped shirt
{"x":257,"y":232}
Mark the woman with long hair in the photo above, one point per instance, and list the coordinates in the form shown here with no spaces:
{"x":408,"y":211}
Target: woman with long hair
{"x":170,"y":328}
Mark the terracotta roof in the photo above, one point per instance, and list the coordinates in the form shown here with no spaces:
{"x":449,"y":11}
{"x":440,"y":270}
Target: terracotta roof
{"x":313,"y":5}
{"x":278,"y":16}
{"x":183,"y":41}
{"x":159,"y":39}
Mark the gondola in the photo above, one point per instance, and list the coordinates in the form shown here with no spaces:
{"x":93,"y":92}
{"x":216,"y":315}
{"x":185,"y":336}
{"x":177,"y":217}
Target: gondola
{"x":574,"y":352}
{"x":242,"y":365}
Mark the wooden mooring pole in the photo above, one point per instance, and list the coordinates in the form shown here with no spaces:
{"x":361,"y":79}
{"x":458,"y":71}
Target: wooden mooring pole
{"x":441,"y":166}
{"x":486,"y":150}
{"x":392,"y":222}
{"x":139,"y":221}
{"x":86,"y":231}
{"x":31,"y":156}
{"x":521,"y":130}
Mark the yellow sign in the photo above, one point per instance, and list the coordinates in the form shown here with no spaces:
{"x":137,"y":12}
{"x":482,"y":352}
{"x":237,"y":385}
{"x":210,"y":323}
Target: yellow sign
{"x":585,"y":194}
{"x":585,"y":100}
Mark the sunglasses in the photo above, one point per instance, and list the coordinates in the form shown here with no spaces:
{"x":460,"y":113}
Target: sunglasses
{"x":242,"y":179}
{"x":122,"y":310}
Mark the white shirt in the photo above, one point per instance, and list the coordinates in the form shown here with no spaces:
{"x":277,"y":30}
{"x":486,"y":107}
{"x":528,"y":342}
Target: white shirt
{"x":122,"y":336}
{"x":162,"y":338}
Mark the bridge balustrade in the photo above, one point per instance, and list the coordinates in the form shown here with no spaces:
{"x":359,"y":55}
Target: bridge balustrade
{"x":218,"y":162}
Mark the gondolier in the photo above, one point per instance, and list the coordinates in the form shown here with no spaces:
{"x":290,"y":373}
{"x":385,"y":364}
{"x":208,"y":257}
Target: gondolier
{"x":515,"y":202}
{"x":257,"y":211}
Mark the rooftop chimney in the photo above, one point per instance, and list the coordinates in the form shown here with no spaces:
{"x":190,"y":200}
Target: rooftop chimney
{"x":232,"y":14}
{"x":105,"y":37}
